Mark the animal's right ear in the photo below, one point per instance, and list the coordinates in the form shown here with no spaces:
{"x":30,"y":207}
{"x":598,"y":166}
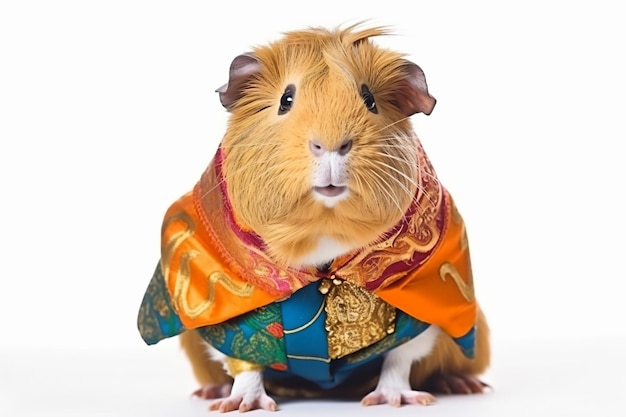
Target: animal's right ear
{"x":242,"y":70}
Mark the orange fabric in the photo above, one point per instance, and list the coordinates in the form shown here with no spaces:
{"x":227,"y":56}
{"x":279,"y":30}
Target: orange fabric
{"x":204,"y":289}
{"x":441,"y":291}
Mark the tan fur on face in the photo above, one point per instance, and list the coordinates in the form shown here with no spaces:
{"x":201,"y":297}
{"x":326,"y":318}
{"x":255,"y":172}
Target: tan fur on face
{"x":268,"y":164}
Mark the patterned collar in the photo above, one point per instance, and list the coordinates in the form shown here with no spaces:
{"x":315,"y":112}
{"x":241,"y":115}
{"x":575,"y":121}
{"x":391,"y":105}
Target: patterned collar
{"x":401,"y":249}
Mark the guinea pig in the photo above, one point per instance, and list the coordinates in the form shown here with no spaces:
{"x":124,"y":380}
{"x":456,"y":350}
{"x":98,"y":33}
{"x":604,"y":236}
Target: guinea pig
{"x":318,"y":254}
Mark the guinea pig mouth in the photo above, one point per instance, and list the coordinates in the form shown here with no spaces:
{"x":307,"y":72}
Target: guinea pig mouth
{"x":330,"y":190}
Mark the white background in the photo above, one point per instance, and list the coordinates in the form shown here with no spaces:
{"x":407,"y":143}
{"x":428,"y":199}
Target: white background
{"x":108,"y":113}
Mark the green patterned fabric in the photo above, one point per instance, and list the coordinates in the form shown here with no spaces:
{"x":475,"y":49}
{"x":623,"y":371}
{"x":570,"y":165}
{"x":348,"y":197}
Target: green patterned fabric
{"x":256,"y":337}
{"x":157,"y":318}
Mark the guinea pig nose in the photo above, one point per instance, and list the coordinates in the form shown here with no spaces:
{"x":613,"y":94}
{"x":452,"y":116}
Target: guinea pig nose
{"x":317,"y":149}
{"x":345,"y":147}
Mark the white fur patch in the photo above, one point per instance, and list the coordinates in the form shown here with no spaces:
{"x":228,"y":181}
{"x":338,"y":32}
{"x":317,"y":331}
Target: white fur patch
{"x":330,"y":169}
{"x":394,"y":376}
{"x":327,"y":249}
{"x":248,"y":391}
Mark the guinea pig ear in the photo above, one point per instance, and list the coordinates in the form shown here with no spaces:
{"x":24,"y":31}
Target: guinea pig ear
{"x":412,"y":95}
{"x":242,"y":69}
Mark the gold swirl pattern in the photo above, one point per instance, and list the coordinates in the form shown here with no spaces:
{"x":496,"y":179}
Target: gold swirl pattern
{"x":448,"y":269}
{"x":182,"y":289}
{"x":183,"y":273}
{"x":467,"y":290}
{"x":167,"y":253}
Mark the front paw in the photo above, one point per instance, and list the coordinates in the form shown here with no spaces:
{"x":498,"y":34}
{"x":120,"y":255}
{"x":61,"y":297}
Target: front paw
{"x":397,"y":397}
{"x":243,"y":403}
{"x":247,"y":393}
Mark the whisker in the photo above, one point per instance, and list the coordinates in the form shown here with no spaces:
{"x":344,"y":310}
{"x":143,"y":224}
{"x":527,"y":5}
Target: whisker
{"x":359,"y":182}
{"x":411,"y":196}
{"x":397,"y":158}
{"x":385,"y":188}
{"x":248,"y":145}
{"x":409,"y":179}
{"x":402,"y":174}
{"x":390,"y":125}
{"x":271,"y":169}
{"x":428,"y":174}
{"x":412,"y":150}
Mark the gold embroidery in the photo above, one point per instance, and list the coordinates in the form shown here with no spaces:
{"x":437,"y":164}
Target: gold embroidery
{"x":182,"y":289}
{"x":176,"y":239}
{"x":467,"y":290}
{"x":237,"y":366}
{"x":355,"y":318}
{"x":183,"y":274}
{"x":420,"y":236}
{"x":309,"y":358}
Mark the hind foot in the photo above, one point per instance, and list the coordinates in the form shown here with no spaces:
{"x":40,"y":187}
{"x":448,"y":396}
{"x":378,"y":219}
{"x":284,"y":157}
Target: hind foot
{"x":457,"y":384}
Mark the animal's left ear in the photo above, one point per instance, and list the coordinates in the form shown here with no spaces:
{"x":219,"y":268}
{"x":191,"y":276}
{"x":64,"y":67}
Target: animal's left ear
{"x":412,"y":94}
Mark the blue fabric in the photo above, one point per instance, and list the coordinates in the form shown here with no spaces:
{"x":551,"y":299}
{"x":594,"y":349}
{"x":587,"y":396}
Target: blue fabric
{"x":304,"y":343}
{"x":309,"y":342}
{"x":157,"y":318}
{"x":467,"y":342}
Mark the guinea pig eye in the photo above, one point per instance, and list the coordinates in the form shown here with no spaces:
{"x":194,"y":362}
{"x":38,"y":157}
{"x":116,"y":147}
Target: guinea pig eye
{"x":368,"y":98}
{"x":286,"y":101}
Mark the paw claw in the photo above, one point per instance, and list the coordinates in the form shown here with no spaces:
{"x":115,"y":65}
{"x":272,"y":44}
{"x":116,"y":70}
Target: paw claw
{"x":223,"y":405}
{"x":426,"y":399}
{"x":268,"y":404}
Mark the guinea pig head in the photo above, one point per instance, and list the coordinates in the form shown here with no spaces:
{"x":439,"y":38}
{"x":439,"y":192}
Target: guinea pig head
{"x":320,"y":156}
